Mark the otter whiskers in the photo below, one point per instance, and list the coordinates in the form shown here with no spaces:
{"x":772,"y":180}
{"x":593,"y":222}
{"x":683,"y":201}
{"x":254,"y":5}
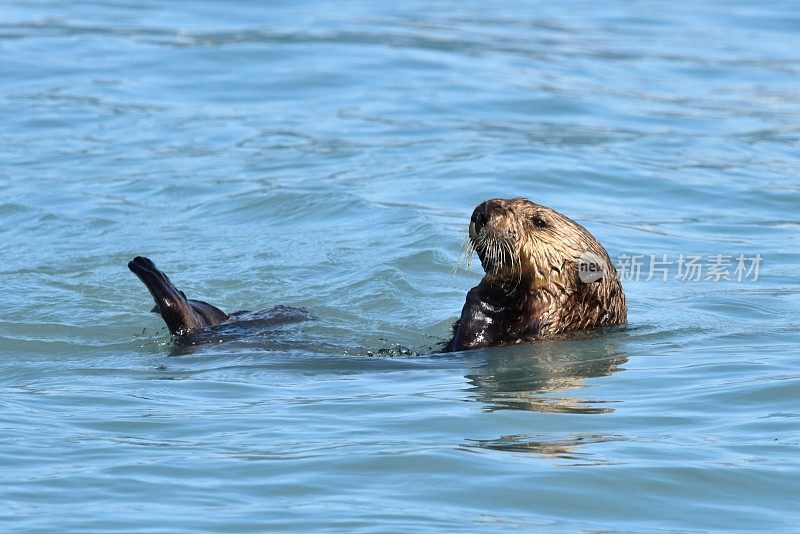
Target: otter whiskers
{"x":465,"y":254}
{"x":497,"y":256}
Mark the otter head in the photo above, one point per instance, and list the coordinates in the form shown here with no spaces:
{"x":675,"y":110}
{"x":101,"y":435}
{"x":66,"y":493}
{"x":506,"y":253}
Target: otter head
{"x":526,"y":246}
{"x":545,"y":275}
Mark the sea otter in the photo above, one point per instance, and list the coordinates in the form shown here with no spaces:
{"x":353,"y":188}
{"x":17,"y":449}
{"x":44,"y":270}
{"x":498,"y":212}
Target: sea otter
{"x":545,"y":275}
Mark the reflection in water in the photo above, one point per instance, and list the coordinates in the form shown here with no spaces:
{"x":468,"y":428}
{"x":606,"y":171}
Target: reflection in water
{"x":523,"y":377}
{"x":539,"y":444}
{"x":546,"y":377}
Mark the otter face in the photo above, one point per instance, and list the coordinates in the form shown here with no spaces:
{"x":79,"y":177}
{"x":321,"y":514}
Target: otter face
{"x":526,"y":244}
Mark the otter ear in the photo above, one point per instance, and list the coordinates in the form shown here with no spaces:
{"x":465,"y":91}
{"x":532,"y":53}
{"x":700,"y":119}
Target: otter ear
{"x":591,"y":267}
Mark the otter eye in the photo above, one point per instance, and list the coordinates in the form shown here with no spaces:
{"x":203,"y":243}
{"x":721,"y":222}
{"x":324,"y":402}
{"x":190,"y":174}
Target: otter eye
{"x":538,"y":222}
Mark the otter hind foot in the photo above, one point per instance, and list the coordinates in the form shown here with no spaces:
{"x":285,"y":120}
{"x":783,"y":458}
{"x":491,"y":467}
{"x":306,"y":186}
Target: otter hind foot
{"x":182,"y":315}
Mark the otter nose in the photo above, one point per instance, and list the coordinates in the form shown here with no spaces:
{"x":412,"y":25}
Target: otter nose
{"x":484,"y":212}
{"x":480,"y":217}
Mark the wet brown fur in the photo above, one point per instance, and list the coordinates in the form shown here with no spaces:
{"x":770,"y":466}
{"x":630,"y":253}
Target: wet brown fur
{"x":532,"y":289}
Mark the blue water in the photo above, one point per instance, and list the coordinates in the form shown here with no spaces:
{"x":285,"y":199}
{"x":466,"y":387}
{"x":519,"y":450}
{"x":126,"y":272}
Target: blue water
{"x":328,"y":155}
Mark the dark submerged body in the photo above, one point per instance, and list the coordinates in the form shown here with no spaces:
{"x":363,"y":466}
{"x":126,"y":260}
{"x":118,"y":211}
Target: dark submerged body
{"x":184,"y":316}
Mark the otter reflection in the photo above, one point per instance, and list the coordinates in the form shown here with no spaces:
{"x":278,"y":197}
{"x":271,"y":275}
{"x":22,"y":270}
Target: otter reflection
{"x":546,"y":377}
{"x":563,"y":448}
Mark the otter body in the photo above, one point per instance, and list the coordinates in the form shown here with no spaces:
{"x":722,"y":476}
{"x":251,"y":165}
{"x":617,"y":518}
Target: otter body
{"x":545,"y":275}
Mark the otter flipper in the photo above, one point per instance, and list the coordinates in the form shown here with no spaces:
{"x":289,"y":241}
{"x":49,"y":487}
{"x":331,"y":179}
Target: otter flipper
{"x":181,"y":314}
